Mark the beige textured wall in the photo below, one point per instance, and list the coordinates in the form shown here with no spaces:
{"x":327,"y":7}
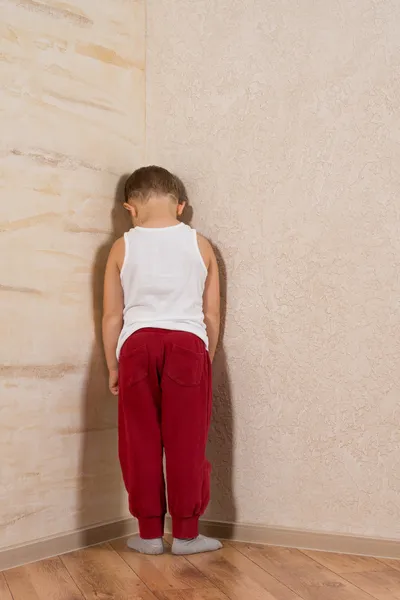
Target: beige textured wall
{"x":283,"y":119}
{"x":72,"y":122}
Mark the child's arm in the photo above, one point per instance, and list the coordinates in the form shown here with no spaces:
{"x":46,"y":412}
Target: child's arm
{"x":211,"y":297}
{"x":113,"y":311}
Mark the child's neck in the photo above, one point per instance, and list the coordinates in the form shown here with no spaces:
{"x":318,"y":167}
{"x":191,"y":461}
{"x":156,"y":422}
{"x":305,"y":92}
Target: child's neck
{"x":156,"y":221}
{"x":157,"y":212}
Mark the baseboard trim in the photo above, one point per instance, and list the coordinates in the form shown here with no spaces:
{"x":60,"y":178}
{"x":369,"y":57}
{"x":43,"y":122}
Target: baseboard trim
{"x":254,"y":534}
{"x":303,"y":540}
{"x":68,"y":542}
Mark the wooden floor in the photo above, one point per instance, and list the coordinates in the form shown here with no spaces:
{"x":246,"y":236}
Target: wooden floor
{"x":238,"y":572}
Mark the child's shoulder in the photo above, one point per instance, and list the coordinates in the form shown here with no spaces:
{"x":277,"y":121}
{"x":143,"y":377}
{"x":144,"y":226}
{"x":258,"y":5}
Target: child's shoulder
{"x":203,"y":243}
{"x":118,"y":246}
{"x":117,"y":252}
{"x":206,"y":249}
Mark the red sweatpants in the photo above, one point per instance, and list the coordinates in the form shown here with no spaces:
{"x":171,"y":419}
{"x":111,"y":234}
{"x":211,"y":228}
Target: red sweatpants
{"x":165,"y":400}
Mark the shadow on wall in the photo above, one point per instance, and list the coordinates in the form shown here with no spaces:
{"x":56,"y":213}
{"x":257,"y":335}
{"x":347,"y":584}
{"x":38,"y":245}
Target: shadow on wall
{"x":222,"y":506}
{"x":220,"y":448}
{"x":101,"y":495}
{"x":102,"y":498}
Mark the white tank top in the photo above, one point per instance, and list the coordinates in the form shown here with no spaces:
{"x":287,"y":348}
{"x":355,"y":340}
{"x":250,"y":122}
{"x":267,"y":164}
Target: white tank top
{"x":163,"y":278}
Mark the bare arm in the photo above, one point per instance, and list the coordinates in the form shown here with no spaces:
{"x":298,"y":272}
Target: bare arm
{"x":211,"y":296}
{"x":113,"y":311}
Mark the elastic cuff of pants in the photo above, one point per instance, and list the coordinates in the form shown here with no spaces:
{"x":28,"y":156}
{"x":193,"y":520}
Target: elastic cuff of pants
{"x":185,"y":529}
{"x":151,"y":528}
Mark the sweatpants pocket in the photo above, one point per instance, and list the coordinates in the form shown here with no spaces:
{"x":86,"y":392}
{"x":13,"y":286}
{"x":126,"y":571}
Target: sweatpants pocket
{"x":134,"y":366}
{"x":184,"y":366}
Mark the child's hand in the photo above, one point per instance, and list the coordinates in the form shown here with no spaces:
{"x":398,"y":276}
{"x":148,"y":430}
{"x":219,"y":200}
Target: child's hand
{"x":113,"y":382}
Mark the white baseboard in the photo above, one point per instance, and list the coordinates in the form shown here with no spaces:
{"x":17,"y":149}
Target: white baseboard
{"x":256,"y":534}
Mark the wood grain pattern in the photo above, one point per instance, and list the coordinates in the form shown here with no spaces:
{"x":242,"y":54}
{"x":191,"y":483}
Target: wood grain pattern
{"x":45,"y":580}
{"x":309,"y":579}
{"x":163,"y":573}
{"x":392,"y":563}
{"x":382,"y":585}
{"x":264,"y":579}
{"x":101,"y":573}
{"x":239,"y":578}
{"x":341,"y":563}
{"x":5,"y":593}
{"x":206,"y":594}
{"x":237,"y":572}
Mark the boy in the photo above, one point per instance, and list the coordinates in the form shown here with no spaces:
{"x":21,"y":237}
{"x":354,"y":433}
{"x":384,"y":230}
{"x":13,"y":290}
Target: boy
{"x":160,"y":328}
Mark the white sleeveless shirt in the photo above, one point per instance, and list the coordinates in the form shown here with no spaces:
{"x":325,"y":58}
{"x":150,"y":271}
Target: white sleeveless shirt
{"x":163,"y":278}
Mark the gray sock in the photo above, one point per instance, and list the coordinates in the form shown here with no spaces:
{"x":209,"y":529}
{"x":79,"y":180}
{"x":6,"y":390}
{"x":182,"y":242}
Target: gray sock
{"x":195,"y":546}
{"x":138,"y":544}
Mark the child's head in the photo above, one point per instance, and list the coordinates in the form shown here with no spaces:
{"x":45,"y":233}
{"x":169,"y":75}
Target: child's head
{"x":154,"y":189}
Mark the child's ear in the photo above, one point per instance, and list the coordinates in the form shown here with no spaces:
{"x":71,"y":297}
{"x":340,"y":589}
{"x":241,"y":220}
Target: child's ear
{"x":180,"y":208}
{"x":130,"y":209}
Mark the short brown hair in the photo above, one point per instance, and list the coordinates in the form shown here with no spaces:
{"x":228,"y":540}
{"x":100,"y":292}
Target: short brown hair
{"x":154,"y":179}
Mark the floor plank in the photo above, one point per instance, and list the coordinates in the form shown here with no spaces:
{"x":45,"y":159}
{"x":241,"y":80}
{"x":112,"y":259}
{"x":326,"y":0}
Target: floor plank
{"x":5,"y":593}
{"x":101,"y":573}
{"x":163,"y":573}
{"x":309,"y":579}
{"x":340,"y":563}
{"x":239,"y":578}
{"x":393,"y":563}
{"x":205,"y":594}
{"x":264,"y":579}
{"x":383,"y":585}
{"x":45,"y":580}
{"x":237,"y":572}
